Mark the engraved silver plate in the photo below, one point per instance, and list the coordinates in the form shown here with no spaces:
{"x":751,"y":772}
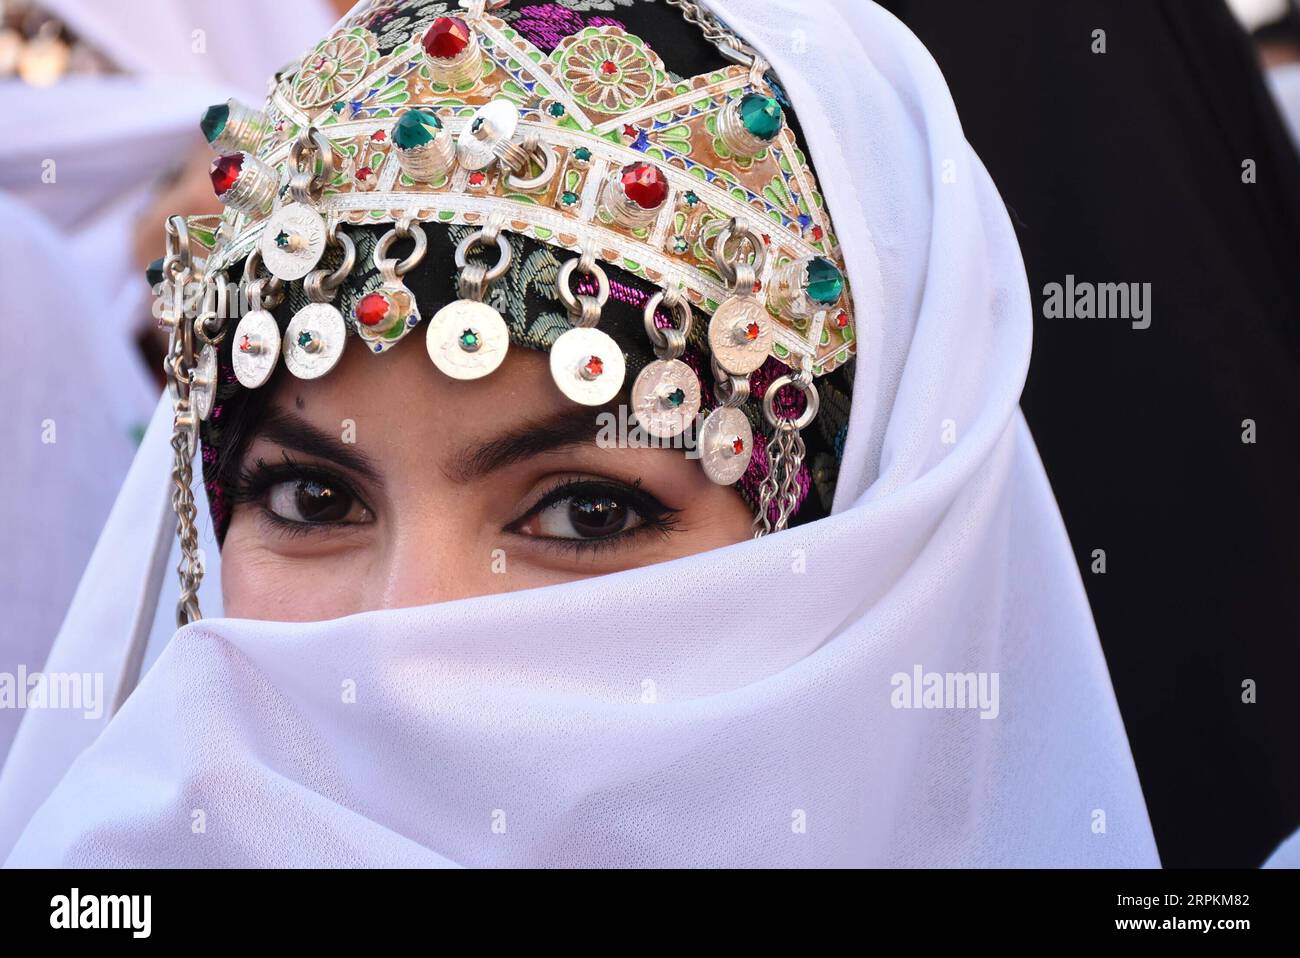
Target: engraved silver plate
{"x":454,"y":327}
{"x":255,"y":349}
{"x":718,"y":443}
{"x":203,"y":387}
{"x":314,"y":340}
{"x":729,"y":335}
{"x":293,"y":241}
{"x":494,"y":123}
{"x":653,"y":393}
{"x":588,"y":366}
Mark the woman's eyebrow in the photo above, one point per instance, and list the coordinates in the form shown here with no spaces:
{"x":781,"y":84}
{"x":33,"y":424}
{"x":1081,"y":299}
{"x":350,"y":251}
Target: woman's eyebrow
{"x":293,"y":432}
{"x":572,"y":427}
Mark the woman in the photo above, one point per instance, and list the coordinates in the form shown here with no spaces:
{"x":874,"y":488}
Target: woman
{"x":910,"y":679}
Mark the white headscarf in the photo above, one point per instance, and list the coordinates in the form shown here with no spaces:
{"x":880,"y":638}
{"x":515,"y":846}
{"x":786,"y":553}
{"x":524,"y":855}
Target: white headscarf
{"x":736,"y":707}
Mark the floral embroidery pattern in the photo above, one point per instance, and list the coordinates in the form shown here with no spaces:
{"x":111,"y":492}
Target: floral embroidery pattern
{"x":608,"y":70}
{"x":335,"y":66}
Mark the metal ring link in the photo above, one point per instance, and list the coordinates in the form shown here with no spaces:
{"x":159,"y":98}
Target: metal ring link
{"x":322,"y":285}
{"x":402,"y":230}
{"x":589,"y":267}
{"x":548,"y":160}
{"x":739,"y":233}
{"x":810,"y":409}
{"x":481,"y":238}
{"x":668,"y":343}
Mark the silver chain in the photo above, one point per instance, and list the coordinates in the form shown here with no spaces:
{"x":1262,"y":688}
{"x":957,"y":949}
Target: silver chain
{"x":180,"y":371}
{"x":731,"y":46}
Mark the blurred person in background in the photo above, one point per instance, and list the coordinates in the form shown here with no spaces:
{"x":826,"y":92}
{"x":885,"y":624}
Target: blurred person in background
{"x":100,"y":97}
{"x":1138,"y":143}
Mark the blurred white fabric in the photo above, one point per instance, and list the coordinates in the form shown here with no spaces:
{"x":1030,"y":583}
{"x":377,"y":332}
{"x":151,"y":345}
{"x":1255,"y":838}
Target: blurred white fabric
{"x":1255,"y":13}
{"x":736,"y":707}
{"x":1284,"y":81}
{"x":84,"y":161}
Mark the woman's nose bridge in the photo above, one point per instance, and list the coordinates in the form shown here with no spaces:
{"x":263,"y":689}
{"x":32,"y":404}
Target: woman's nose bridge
{"x":431,"y":559}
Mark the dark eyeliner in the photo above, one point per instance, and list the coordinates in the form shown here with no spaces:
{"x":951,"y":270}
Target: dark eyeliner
{"x":254,"y":482}
{"x":656,"y":517}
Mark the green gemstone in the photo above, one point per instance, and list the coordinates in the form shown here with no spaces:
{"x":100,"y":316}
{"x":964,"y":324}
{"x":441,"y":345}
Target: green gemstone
{"x":282,"y":239}
{"x":338,"y":106}
{"x":762,"y":115}
{"x":676,"y":397}
{"x":692,"y":198}
{"x":569,"y":198}
{"x":557,"y":109}
{"x":824,"y":283}
{"x":680,"y":245}
{"x":415,"y":128}
{"x":304,"y":339}
{"x":214,"y":121}
{"x":583,"y":154}
{"x":469,"y":340}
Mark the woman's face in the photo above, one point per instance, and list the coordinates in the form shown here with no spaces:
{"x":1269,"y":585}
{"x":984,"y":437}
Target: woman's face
{"x":386,"y":484}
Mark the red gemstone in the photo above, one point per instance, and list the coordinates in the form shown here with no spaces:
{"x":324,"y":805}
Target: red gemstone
{"x":447,"y":38}
{"x":609,"y":68}
{"x":365,"y":173}
{"x":594,"y":366}
{"x":818,"y":233}
{"x":645,"y":185}
{"x":629,"y":131}
{"x":737,"y":445}
{"x":225,"y":171}
{"x":752,"y":331}
{"x":477,"y":178}
{"x":379,"y":136}
{"x":373,"y":309}
{"x":842,"y":320}
{"x":245,"y":344}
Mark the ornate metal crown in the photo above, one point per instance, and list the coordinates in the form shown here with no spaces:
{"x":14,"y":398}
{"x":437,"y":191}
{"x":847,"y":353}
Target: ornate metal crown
{"x":697,"y":186}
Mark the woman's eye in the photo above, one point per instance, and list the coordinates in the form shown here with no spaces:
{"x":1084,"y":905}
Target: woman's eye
{"x":584,"y":517}
{"x":312,"y":500}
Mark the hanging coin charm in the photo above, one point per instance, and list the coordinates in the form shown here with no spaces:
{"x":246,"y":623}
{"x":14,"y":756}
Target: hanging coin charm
{"x":586,"y":364}
{"x":666,"y":394}
{"x":294,"y":238}
{"x":315,"y":337}
{"x":740,"y":332}
{"x":203,"y":382}
{"x":293,"y":241}
{"x":255,"y":348}
{"x":726,"y":442}
{"x":468,"y":339}
{"x":314,"y":340}
{"x":384,"y":316}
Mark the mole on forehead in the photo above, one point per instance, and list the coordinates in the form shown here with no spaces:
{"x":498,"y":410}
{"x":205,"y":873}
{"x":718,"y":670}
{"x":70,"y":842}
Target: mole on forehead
{"x":299,"y":402}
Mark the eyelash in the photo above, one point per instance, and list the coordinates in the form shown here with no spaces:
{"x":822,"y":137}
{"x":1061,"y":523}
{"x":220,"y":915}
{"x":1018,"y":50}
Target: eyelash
{"x":253,"y":483}
{"x":656,"y":518}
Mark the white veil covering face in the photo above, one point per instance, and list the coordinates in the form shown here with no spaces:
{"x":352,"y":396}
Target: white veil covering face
{"x":744,"y":706}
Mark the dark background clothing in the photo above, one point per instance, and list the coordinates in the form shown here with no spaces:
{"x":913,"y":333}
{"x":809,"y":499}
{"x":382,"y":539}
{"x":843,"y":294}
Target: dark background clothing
{"x":1126,"y":167}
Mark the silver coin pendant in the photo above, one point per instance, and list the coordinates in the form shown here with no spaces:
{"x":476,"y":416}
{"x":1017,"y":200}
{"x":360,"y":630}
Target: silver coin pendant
{"x":314,"y":340}
{"x":726,"y":443}
{"x":467,"y":339}
{"x":666,"y":398}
